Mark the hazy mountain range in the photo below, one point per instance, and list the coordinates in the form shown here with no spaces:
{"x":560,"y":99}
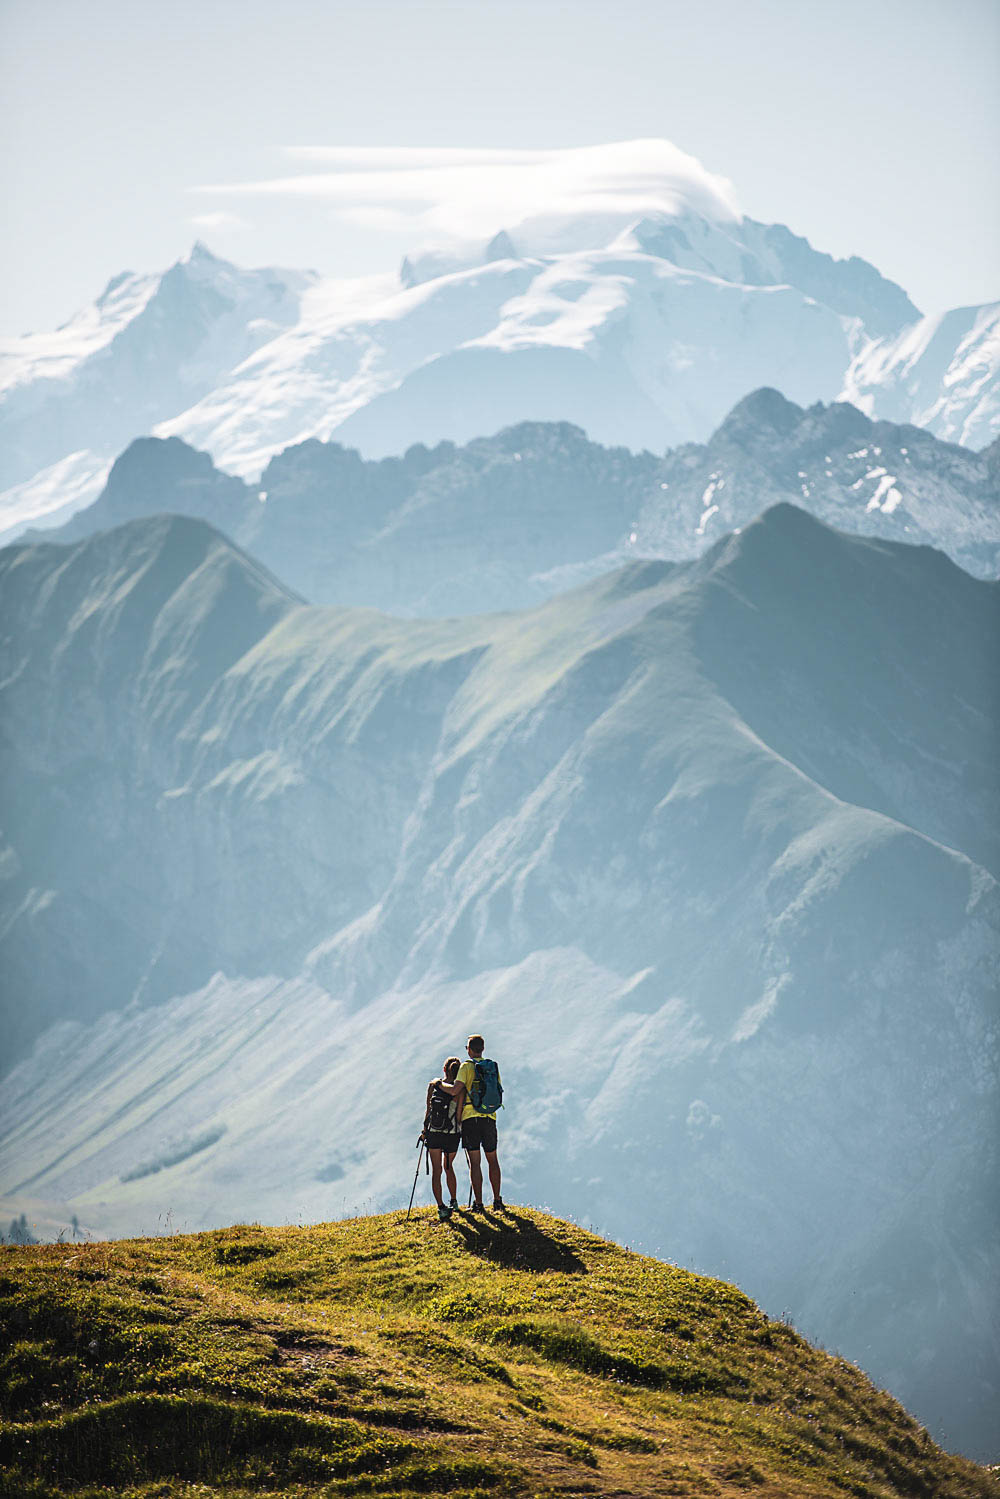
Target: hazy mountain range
{"x":643,"y":332}
{"x":709,"y":847}
{"x":506,"y":521}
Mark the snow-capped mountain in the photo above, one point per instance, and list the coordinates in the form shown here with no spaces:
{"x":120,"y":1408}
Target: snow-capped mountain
{"x":712,"y":241}
{"x":940,"y":373}
{"x":149,"y":347}
{"x":645,"y":338}
{"x":644,"y":331}
{"x":714,"y":835}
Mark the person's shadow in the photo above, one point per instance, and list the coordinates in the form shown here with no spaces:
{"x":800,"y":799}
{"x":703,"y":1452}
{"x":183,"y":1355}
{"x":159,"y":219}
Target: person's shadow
{"x":514,"y":1241}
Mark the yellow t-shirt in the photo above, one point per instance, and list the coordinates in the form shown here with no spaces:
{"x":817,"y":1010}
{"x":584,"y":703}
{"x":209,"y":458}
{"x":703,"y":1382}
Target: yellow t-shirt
{"x":467,"y":1075}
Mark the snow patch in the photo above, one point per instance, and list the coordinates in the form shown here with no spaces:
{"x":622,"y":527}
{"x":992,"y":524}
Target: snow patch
{"x":886,"y":496}
{"x":714,"y":484}
{"x":706,"y":517}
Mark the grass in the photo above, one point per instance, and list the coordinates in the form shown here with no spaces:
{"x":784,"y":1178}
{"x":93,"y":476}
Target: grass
{"x":508,"y":1355}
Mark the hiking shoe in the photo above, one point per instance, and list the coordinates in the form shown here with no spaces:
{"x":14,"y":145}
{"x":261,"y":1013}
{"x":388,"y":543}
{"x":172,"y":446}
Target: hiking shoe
{"x":453,"y":1204}
{"x":477,"y":1207}
{"x":443,"y":1213}
{"x":498,"y":1205}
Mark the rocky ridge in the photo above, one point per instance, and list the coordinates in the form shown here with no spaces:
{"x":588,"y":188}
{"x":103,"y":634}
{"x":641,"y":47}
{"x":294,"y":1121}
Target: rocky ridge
{"x":508,"y":521}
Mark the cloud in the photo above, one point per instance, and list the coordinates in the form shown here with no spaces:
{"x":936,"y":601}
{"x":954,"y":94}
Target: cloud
{"x":219,"y":221}
{"x":449,"y":194}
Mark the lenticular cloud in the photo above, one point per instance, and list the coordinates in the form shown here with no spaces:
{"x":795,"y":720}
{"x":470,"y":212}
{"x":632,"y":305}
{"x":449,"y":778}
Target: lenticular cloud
{"x":453,"y":195}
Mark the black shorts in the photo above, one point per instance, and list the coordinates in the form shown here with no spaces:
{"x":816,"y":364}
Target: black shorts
{"x":479,"y":1134}
{"x":436,"y":1139}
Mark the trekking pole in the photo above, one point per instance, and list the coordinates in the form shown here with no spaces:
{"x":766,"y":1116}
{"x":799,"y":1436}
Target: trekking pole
{"x":468,"y":1162}
{"x":416,"y":1173}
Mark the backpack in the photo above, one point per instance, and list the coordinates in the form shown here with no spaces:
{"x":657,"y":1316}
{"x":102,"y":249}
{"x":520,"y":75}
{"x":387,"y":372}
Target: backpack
{"x":441,"y":1113}
{"x":486,"y":1094}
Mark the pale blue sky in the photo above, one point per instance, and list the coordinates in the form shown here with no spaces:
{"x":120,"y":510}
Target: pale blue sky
{"x":871,"y":126}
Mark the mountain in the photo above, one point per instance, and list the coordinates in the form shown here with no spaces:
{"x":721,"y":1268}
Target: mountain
{"x":697,"y":236}
{"x":512,"y":1355}
{"x":707,"y":849}
{"x":507,"y":521}
{"x":872,"y":478}
{"x":940,"y":373}
{"x":643,"y":335}
{"x":149,"y":347}
{"x":644,"y":331}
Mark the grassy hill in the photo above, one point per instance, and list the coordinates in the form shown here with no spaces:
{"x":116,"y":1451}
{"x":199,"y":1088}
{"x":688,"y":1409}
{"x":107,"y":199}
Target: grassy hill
{"x":510,"y":1355}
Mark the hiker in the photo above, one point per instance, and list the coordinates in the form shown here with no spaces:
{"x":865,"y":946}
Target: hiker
{"x":441,"y":1135}
{"x":479,"y":1094}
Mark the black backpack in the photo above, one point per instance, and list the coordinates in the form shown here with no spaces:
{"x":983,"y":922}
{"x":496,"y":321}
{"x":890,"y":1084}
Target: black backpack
{"x":440,"y":1112}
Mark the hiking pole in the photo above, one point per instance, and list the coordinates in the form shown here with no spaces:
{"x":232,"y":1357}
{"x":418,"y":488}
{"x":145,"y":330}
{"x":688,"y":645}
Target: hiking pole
{"x":416,"y":1173}
{"x":468,"y":1162}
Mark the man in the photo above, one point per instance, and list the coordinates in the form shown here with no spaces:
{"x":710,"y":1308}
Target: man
{"x":479,"y":1124}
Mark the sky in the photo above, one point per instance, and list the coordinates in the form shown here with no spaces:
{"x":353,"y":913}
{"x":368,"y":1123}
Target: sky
{"x":130,"y":129}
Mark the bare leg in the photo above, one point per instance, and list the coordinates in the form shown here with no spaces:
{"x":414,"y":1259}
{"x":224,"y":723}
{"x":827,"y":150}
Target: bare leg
{"x":435,"y":1156}
{"x":449,"y":1174}
{"x":494,"y":1167}
{"x":476,"y":1172}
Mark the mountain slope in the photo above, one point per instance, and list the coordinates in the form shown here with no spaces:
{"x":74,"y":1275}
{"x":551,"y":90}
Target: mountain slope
{"x":942,"y":373}
{"x":851,"y":706}
{"x":143,"y":619}
{"x":620,"y":342}
{"x":512,"y":1355}
{"x":574,"y":828}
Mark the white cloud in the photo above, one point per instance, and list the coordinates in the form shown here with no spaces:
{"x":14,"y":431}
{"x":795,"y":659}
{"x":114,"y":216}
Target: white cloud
{"x":448,"y":194}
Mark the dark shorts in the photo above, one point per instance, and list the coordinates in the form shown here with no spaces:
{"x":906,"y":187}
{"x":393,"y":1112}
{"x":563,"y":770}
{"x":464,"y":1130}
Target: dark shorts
{"x":436,"y":1139}
{"x":479,"y":1134}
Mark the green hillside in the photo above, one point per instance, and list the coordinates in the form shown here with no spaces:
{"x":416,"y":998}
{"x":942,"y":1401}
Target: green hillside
{"x":514,"y":1354}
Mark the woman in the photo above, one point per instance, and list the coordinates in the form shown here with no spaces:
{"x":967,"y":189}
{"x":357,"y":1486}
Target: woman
{"x":442,"y":1136}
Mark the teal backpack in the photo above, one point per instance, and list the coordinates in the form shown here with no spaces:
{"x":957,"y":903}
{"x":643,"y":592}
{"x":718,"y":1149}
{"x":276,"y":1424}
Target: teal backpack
{"x":486,"y":1094}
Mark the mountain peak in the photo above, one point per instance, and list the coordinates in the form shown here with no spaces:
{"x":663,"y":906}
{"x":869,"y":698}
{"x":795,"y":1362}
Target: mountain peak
{"x":200,"y":254}
{"x":164,"y":474}
{"x":765,"y":414}
{"x":201,"y":264}
{"x":764,"y":411}
{"x":500,"y":247}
